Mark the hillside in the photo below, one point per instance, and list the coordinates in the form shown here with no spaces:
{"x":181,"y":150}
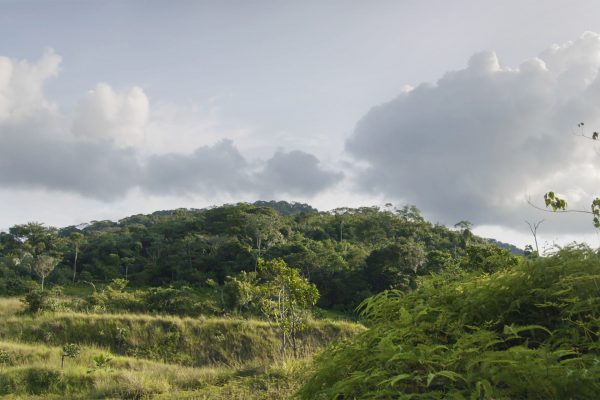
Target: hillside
{"x":227,"y":302}
{"x":134,"y":356}
{"x":349,"y":254}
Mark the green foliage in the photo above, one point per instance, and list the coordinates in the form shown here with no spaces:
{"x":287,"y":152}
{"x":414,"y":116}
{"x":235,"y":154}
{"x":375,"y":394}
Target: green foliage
{"x":161,"y":300}
{"x":70,"y":350}
{"x":555,"y":202}
{"x":341,"y":252}
{"x":101,"y":362}
{"x":286,"y":298}
{"x":37,"y":300}
{"x":4,"y":357}
{"x":486,"y":258}
{"x":241,"y":292}
{"x":530,"y":331}
{"x":41,"y":380}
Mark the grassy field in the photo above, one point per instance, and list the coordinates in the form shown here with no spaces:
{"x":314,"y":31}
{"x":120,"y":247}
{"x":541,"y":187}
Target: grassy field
{"x":151,"y":356}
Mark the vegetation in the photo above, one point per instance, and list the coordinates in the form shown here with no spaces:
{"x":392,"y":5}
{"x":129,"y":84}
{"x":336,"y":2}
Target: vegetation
{"x":232,"y":302}
{"x":348,"y":254}
{"x":525,"y":331}
{"x":134,"y":356}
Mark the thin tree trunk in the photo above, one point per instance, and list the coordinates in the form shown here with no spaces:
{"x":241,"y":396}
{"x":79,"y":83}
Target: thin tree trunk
{"x":293,"y":333}
{"x":75,"y":262}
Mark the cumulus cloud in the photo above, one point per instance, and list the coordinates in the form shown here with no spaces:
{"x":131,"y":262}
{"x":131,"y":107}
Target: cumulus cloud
{"x":476,"y":143}
{"x":21,"y":86}
{"x":101,"y":151}
{"x":118,"y":116}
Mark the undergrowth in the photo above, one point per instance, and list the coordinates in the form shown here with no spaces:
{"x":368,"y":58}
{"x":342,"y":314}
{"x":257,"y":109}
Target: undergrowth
{"x":526,"y":332}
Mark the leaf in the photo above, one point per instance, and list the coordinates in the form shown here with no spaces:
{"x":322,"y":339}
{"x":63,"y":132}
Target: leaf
{"x":483,"y":390}
{"x":395,"y":379}
{"x":453,"y":376}
{"x":514,"y":330}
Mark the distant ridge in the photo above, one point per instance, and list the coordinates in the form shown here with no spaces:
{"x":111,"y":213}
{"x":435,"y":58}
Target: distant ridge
{"x":287,"y":208}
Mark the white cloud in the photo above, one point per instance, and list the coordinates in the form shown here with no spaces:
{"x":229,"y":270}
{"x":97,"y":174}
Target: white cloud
{"x":119,"y":116}
{"x":21,"y":86}
{"x":479,"y":141}
{"x":114,"y":144}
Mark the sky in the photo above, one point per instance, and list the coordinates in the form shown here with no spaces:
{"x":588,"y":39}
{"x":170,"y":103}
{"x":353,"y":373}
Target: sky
{"x":466,"y":109}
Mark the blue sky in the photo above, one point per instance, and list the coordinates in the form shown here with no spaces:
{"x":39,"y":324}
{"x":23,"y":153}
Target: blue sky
{"x":148,"y":105}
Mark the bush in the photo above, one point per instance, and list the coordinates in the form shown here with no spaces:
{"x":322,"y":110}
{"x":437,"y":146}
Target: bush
{"x":171,"y":301}
{"x":36,"y":301}
{"x":39,"y":380}
{"x":43,"y":300}
{"x":527,"y":332}
{"x":8,"y":383}
{"x":16,"y":285}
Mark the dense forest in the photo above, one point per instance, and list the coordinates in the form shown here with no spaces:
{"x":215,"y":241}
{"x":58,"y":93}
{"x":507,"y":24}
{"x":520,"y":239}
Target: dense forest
{"x":349,"y":254}
{"x":277,"y":300}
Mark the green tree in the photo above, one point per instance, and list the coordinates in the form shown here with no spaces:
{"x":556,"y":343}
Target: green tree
{"x":395,"y":266}
{"x":37,"y":238}
{"x":240,"y":291}
{"x":70,"y":350}
{"x":263,"y":227}
{"x":44,"y":265}
{"x":286,"y":299}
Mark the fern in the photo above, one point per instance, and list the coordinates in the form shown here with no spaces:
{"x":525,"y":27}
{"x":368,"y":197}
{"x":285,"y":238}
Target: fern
{"x":526,"y":332}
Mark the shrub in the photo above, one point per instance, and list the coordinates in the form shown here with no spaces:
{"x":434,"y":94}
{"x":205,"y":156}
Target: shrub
{"x":527,"y":332}
{"x":36,"y":301}
{"x":39,"y":380}
{"x":43,"y":300}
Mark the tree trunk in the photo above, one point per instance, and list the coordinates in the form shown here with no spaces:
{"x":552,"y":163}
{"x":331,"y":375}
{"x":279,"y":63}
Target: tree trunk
{"x":293,"y":334}
{"x":75,"y":262}
{"x":43,"y":277}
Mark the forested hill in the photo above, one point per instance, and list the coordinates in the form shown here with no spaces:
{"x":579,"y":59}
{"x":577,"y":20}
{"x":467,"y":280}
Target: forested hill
{"x":349,"y":254}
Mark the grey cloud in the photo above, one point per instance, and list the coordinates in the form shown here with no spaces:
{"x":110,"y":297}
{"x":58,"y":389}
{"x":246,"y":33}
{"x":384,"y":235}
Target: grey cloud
{"x":93,"y":169}
{"x":481,"y":139}
{"x":99,"y":152}
{"x":209,"y":169}
{"x":101,"y":170}
{"x":296,"y":173}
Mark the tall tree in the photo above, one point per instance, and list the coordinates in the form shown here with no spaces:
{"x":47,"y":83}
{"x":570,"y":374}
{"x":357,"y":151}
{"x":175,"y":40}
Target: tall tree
{"x":77,"y":240}
{"x":263,"y":229}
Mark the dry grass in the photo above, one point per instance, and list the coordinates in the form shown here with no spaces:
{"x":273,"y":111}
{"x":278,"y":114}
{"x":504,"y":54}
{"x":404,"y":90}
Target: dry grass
{"x":161,"y":357}
{"x":128,"y":377}
{"x":10,"y":306}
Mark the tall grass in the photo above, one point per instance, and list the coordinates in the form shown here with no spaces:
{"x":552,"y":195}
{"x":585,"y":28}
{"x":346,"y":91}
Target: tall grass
{"x":185,"y":341}
{"x":35,"y":369}
{"x":10,"y":306}
{"x":151,"y":356}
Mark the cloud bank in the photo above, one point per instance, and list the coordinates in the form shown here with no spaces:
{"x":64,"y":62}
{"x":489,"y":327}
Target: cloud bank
{"x":100,"y":150}
{"x":473,"y":145}
{"x":479,"y":141}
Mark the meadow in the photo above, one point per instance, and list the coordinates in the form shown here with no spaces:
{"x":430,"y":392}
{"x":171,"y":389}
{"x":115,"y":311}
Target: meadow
{"x":137,"y":356}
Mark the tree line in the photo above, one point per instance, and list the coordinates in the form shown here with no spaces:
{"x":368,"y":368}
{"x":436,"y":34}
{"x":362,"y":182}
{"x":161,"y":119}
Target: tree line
{"x":349,"y":254}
